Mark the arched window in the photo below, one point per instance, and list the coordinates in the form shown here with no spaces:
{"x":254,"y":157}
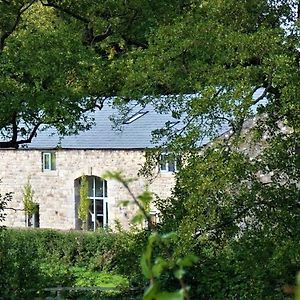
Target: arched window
{"x":97,"y":192}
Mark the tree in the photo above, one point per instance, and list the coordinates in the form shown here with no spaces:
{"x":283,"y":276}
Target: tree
{"x":4,"y":199}
{"x":227,"y":63}
{"x":61,"y":59}
{"x":30,"y":207}
{"x":223,"y":53}
{"x":244,"y":229}
{"x":209,"y":63}
{"x":132,"y":49}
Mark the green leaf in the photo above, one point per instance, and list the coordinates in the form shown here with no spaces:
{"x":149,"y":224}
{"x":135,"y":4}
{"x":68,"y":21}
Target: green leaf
{"x":146,"y":198}
{"x":138,"y":218}
{"x":154,"y":237}
{"x":169,"y":237}
{"x":159,"y":265}
{"x":151,"y":291}
{"x":297,"y":296}
{"x":179,"y":273}
{"x":145,"y":266}
{"x":187,"y":261}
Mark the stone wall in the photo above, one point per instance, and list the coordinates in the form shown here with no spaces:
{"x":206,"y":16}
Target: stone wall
{"x":54,"y":190}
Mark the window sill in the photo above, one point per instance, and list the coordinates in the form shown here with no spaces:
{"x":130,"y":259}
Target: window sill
{"x":51,"y":173}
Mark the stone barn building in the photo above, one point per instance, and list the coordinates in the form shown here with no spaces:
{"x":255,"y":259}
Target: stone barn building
{"x":53,"y":166}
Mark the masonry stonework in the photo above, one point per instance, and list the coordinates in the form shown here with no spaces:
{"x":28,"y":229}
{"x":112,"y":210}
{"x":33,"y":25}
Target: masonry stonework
{"x":54,"y":190}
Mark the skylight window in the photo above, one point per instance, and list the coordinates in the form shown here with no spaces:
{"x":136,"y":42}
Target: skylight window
{"x":135,"y":116}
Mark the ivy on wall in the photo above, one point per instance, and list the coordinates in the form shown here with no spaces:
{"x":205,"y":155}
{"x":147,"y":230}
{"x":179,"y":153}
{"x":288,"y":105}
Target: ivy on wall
{"x":83,"y":210}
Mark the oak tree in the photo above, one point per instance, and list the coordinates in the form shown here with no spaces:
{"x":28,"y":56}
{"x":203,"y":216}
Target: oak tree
{"x":61,"y":59}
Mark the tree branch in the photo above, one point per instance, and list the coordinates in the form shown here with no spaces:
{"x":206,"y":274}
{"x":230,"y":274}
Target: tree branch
{"x":8,"y":33}
{"x":230,"y":122}
{"x":96,"y":104}
{"x":100,"y":37}
{"x":14,"y":128}
{"x":136,"y":201}
{"x":14,"y":143}
{"x":15,"y":209}
{"x":24,"y":8}
{"x":89,"y":37}
{"x":65,"y":10}
{"x":32,"y":134}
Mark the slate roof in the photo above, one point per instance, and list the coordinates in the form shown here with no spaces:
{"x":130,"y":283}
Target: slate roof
{"x":103,"y":135}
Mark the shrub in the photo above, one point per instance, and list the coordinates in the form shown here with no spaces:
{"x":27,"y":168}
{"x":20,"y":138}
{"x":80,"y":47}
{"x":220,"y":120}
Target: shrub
{"x":19,"y":268}
{"x":31,"y":260}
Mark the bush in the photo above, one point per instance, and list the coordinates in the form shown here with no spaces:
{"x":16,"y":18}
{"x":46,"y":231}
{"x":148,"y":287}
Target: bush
{"x":31,"y":260}
{"x":255,"y":266}
{"x":19,"y":268}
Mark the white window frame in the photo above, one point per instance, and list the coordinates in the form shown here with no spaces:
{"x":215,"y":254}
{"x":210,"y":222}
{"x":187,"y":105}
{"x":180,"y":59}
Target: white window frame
{"x":104,"y":200}
{"x":50,"y":158}
{"x":166,"y":163}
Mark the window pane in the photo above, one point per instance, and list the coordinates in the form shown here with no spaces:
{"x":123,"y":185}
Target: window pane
{"x":46,"y":157}
{"x":105,"y":188}
{"x":106,"y":211}
{"x":99,"y":187}
{"x":53,"y":161}
{"x":36,"y":217}
{"x":97,"y":190}
{"x":163,"y":166}
{"x":172,"y":167}
{"x":91,"y":208}
{"x":163,"y":162}
{"x":99,"y":207}
{"x":28,"y":220}
{"x":153,"y":218}
{"x":90,"y":223}
{"x":99,"y":221}
{"x":91,"y":186}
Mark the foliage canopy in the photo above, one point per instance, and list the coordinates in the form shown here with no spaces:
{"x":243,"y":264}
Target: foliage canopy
{"x":207,"y":62}
{"x":61,"y":59}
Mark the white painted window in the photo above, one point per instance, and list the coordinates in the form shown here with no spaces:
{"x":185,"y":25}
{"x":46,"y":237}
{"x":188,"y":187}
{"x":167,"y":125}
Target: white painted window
{"x":98,"y":211}
{"x":167,"y":163}
{"x":49,"y":161}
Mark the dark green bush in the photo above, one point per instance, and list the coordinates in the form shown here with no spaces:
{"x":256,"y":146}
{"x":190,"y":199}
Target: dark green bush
{"x":255,"y":266}
{"x":252,"y":267}
{"x":18,"y":267}
{"x":31,"y":260}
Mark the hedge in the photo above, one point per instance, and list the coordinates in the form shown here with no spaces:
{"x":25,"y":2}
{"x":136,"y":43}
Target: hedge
{"x":31,"y":260}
